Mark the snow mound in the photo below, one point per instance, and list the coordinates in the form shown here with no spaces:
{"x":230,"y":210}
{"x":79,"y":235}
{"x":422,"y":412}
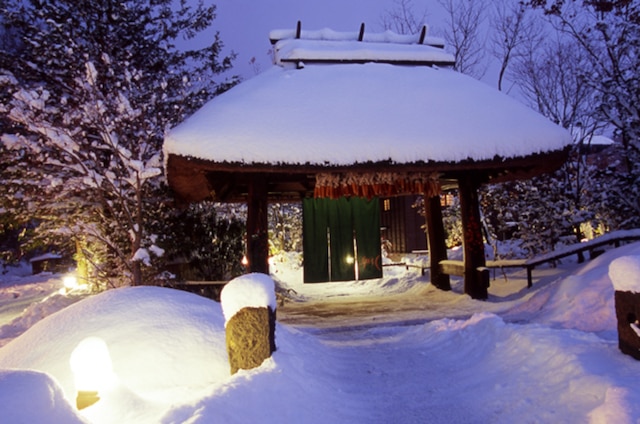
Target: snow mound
{"x":583,"y":300}
{"x":155,"y":347}
{"x":27,"y":396}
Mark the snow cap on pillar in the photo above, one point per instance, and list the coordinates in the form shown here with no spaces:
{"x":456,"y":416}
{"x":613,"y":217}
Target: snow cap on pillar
{"x":250,"y":290}
{"x":625,"y":273}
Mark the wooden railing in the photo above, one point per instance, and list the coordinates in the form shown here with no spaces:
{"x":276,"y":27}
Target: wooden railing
{"x":615,"y":238}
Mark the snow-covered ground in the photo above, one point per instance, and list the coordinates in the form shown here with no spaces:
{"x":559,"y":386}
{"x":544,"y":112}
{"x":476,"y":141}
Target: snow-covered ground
{"x":381,"y":351}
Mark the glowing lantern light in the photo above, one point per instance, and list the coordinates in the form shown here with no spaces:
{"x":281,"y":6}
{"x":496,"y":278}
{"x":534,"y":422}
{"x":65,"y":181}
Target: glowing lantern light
{"x":70,"y":282}
{"x":350,"y":259}
{"x":245,"y":261}
{"x":92,"y":369}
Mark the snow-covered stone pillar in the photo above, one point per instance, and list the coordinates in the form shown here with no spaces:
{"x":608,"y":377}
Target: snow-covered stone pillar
{"x":625,"y":276}
{"x":249,"y":307}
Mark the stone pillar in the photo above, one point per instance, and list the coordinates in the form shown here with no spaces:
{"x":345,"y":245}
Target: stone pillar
{"x":249,"y":306}
{"x":250,"y":336}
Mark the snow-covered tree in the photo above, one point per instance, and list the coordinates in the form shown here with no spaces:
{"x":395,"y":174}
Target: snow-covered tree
{"x":88,"y":92}
{"x":514,"y":28}
{"x":608,"y":35}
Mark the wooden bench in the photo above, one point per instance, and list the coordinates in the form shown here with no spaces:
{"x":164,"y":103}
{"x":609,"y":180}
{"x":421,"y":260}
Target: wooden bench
{"x":422,"y":268}
{"x":453,"y":267}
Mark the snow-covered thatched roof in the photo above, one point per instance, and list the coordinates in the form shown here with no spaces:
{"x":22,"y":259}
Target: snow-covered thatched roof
{"x":332,"y":100}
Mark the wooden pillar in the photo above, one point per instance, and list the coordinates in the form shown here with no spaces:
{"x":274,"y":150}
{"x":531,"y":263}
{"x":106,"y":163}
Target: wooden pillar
{"x":476,"y":279}
{"x":258,"y":225}
{"x":437,"y":241}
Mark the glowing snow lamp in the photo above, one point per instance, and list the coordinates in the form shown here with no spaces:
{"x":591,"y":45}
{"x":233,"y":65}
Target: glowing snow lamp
{"x":70,"y":282}
{"x":92,"y":369}
{"x":244,"y":261}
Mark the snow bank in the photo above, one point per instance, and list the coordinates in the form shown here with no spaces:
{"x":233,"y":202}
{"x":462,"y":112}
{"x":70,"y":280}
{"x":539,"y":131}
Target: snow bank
{"x":625,"y":273}
{"x":163,"y":342}
{"x":583,"y":300}
{"x":253,"y":290}
{"x":33,"y":397}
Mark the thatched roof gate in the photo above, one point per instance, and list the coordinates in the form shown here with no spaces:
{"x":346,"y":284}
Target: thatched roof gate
{"x":357,"y":114}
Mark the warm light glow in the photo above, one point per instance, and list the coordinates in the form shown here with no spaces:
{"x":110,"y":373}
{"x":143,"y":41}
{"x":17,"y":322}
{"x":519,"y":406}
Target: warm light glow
{"x":350,"y":260}
{"x":70,"y":282}
{"x":91,"y":366}
{"x":244,"y":261}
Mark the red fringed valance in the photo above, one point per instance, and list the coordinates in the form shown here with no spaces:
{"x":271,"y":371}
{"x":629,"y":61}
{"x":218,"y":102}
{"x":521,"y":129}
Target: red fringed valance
{"x":383,"y":184}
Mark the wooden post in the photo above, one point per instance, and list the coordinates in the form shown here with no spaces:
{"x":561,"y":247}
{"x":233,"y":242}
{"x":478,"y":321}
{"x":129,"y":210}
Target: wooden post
{"x":437,"y":242}
{"x":627,"y":306}
{"x":257,"y":225}
{"x":475,"y":282}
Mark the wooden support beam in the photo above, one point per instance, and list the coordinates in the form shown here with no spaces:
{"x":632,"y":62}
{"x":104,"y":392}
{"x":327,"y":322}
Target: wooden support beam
{"x":361,"y":34}
{"x":423,"y":34}
{"x":257,"y":225}
{"x":437,"y":241}
{"x":475,"y":283}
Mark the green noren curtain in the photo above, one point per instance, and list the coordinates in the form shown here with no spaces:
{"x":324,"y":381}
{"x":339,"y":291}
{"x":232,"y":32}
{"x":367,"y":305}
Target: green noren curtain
{"x":366,"y":223}
{"x":333,"y":229}
{"x":341,"y":240}
{"x":315,"y":224}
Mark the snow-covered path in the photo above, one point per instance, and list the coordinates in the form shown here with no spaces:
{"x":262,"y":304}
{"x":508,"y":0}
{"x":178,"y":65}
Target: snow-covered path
{"x":418,"y":374}
{"x":19,"y":293}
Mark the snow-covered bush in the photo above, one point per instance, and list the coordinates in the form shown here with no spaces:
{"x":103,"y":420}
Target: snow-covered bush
{"x":209,"y":243}
{"x":285,"y":228}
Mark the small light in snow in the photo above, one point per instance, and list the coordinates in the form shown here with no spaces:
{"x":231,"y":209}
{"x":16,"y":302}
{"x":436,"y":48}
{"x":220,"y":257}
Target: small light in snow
{"x":92,"y":369}
{"x":244,"y":261}
{"x":70,"y":282}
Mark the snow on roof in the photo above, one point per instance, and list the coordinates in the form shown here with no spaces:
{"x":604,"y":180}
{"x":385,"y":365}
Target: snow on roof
{"x":356,"y":51}
{"x":331,"y":46}
{"x":45,"y":257}
{"x":341,"y":114}
{"x":344,"y":114}
{"x":331,"y":35}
